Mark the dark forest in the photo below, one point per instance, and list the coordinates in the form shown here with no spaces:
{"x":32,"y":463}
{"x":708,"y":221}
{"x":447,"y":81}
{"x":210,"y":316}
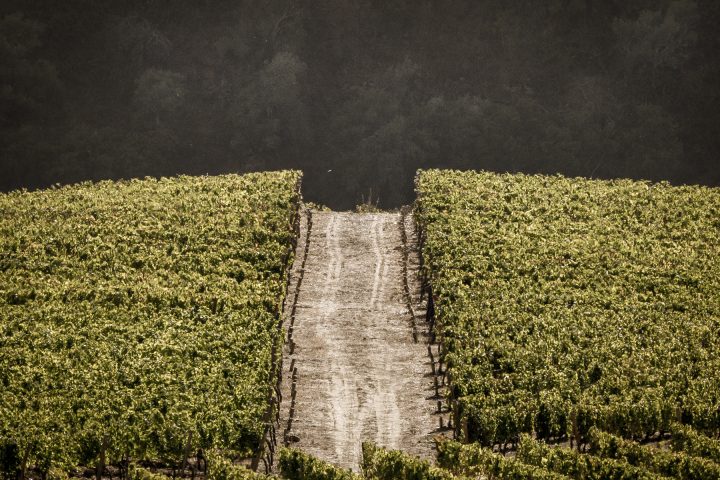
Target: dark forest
{"x":358,"y":94}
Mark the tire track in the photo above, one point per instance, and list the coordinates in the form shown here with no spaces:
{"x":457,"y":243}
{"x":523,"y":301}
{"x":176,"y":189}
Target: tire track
{"x":358,"y":374}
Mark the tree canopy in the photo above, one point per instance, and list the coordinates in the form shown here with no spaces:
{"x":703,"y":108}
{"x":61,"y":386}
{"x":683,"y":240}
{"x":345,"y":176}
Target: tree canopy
{"x":358,"y":93}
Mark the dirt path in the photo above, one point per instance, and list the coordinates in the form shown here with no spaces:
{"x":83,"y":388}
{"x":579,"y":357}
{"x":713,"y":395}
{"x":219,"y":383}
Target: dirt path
{"x":352,"y":365}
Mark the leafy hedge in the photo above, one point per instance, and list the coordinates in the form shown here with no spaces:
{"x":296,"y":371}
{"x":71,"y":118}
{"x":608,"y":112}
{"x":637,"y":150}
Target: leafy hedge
{"x":297,"y":465}
{"x":564,"y":304}
{"x":474,"y":460}
{"x":670,"y":464}
{"x":381,"y":464}
{"x":220,"y":467}
{"x":578,"y":465}
{"x":685,"y":439}
{"x":138,"y":319}
{"x":136,"y":472}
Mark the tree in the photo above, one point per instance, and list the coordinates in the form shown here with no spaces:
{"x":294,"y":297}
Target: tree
{"x":139,"y":41}
{"x":28,"y":87}
{"x":657,"y":39}
{"x":269,"y":115}
{"x":159,"y":93}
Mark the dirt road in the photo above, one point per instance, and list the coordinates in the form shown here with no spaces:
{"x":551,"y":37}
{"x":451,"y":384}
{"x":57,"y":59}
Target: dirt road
{"x":358,"y":373}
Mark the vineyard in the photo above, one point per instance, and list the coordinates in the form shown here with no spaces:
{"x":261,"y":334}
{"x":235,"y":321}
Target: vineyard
{"x":139,"y":320}
{"x":573,"y":331}
{"x":568,"y":305}
{"x":608,"y":457}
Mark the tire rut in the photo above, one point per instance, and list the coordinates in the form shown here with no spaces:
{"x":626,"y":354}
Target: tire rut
{"x":359,"y":366}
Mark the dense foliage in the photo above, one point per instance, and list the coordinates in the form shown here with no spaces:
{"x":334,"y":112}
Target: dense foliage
{"x":297,"y":465}
{"x":669,"y":464}
{"x":382,"y":464}
{"x":476,"y":461}
{"x":221,"y":468}
{"x":687,"y":440}
{"x":608,"y":457}
{"x":139,"y":473}
{"x":564,"y":304}
{"x":578,"y":465}
{"x":138,"y":319}
{"x":358,"y":93}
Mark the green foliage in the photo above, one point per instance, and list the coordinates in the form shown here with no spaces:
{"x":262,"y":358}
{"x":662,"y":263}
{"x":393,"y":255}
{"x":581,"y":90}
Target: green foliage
{"x":578,"y":465}
{"x":316,"y":206}
{"x":687,"y":440}
{"x":676,"y":465}
{"x":136,"y":472}
{"x":138,"y":319}
{"x":220,"y":468}
{"x":381,"y":464}
{"x":564,"y":304}
{"x":475,"y":461}
{"x":297,"y":465}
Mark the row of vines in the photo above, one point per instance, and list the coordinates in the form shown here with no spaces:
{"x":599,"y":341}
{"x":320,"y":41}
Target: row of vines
{"x":578,"y":323}
{"x":564,"y":304}
{"x":139,"y":320}
{"x":607,"y":457}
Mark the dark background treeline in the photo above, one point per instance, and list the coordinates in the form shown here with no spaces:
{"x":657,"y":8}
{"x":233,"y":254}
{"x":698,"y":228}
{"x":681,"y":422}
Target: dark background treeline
{"x":358,"y":93}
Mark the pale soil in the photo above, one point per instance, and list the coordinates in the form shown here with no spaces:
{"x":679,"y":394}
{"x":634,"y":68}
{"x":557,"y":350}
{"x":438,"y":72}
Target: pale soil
{"x":359,"y":374}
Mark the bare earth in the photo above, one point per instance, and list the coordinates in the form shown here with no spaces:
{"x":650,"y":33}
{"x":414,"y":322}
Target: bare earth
{"x":358,"y":373}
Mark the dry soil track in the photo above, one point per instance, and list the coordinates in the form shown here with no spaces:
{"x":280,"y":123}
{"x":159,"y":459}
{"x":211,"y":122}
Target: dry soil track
{"x":356,"y":364}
